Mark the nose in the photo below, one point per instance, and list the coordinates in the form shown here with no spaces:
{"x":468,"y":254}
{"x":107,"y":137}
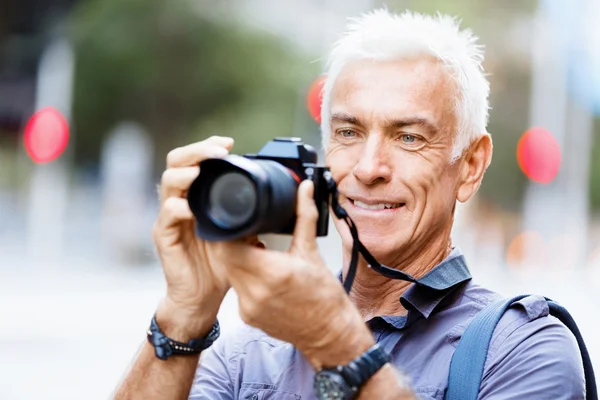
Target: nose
{"x":374,"y":163}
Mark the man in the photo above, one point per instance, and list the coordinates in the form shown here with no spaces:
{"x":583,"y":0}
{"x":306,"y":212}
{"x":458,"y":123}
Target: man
{"x":404,"y":128}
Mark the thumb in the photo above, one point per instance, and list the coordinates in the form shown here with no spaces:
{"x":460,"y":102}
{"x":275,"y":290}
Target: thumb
{"x":305,"y":231}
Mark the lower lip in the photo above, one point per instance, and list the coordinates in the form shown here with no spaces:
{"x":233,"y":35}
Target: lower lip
{"x":383,"y":211}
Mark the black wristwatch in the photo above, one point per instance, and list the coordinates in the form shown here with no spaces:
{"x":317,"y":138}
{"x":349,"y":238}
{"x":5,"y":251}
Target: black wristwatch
{"x":165,"y":347}
{"x":344,"y":382}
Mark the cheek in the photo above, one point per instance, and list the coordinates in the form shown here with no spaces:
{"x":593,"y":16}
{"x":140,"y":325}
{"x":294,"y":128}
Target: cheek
{"x":440,"y":193}
{"x":340,"y":161}
{"x":431,"y":184}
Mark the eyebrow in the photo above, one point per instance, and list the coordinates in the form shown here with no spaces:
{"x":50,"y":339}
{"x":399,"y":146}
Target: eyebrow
{"x":394,"y":123}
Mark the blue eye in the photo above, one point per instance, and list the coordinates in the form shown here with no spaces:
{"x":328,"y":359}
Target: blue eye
{"x":409,"y":138}
{"x":347,"y":133}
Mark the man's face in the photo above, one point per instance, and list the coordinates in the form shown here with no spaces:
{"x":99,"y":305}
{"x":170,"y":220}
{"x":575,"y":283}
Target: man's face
{"x":391,"y":137}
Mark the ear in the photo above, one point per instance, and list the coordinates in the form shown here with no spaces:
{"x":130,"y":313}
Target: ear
{"x":474,"y":163}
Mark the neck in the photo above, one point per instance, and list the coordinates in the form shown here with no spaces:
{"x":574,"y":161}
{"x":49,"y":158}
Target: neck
{"x":369,"y":285}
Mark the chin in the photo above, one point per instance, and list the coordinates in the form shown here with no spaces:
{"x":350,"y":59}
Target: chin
{"x":384,"y":251}
{"x":382,"y":245}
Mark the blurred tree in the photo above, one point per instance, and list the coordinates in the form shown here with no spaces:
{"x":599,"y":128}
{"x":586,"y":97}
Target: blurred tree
{"x":504,"y":183}
{"x":595,"y":169}
{"x":182,"y":74}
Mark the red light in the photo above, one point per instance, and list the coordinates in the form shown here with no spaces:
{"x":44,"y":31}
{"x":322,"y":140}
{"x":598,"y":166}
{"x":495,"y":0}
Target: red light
{"x":539,"y":155}
{"x":314,"y":98}
{"x":46,"y":135}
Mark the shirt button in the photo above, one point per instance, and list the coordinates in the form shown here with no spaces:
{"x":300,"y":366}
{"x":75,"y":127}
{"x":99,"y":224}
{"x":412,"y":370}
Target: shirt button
{"x":254,"y":396}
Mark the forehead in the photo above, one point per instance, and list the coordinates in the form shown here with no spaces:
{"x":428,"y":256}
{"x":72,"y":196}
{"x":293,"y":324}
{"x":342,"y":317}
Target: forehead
{"x":392,"y":89}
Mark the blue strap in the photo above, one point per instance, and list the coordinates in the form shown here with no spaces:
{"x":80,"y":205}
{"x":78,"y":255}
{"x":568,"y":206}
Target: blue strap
{"x":466,"y":366}
{"x":468,"y":361}
{"x":590,"y":379}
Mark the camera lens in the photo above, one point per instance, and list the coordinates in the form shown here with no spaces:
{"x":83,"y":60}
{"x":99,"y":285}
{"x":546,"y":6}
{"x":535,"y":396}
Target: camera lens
{"x":237,"y":197}
{"x":232,"y":200}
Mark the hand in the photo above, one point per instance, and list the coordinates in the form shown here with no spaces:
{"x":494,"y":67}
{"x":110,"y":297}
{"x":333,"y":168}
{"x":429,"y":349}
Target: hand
{"x":196,"y":285}
{"x":293,"y":296}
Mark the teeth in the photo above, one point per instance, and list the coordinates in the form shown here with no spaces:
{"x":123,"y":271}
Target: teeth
{"x":379,"y":206}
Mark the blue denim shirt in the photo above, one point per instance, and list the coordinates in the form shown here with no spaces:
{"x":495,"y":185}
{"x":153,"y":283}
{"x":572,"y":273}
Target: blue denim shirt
{"x":532,"y":355}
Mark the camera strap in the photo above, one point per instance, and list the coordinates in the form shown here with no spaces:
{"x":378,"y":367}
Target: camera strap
{"x":357,"y":246}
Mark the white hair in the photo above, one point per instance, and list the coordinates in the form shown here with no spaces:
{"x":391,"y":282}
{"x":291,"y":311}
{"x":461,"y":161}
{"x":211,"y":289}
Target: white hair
{"x":381,"y":35}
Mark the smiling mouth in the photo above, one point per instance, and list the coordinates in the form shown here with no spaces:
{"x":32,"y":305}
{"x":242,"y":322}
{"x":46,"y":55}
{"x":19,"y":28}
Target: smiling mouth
{"x":376,"y":206}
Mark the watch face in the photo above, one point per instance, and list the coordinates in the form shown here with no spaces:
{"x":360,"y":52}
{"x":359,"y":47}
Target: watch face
{"x":330,"y":385}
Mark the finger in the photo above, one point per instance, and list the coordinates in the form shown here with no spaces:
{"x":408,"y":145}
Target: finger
{"x":250,"y":268}
{"x":192,"y":154}
{"x":174,"y":211}
{"x":305,"y":232}
{"x":175,"y":182}
{"x":241,"y":254}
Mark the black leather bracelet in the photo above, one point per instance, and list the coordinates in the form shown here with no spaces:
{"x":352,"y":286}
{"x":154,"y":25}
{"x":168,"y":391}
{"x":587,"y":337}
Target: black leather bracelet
{"x":165,"y":347}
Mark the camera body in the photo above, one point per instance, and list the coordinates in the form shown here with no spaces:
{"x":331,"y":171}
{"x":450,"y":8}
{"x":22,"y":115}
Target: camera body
{"x":301,"y":160}
{"x":238,"y":196}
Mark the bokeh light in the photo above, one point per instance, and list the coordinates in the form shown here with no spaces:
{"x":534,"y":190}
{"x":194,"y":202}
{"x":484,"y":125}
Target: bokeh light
{"x":526,"y":252}
{"x":539,"y":155}
{"x":314,"y":98}
{"x":46,"y":135}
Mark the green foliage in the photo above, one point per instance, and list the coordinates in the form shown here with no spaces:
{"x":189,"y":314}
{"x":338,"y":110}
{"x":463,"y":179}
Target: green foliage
{"x":476,"y":14}
{"x":595,"y":169}
{"x":504,"y":183}
{"x":181,"y":74}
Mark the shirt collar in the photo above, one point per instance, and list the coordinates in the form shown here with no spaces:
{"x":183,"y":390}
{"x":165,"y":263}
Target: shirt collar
{"x":425,"y":295}
{"x":422,"y":297}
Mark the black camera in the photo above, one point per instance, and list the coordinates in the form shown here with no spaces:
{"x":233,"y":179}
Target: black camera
{"x":236,"y":196}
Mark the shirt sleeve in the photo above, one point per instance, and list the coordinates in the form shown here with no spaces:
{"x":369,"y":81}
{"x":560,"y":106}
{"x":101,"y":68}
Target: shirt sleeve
{"x":539,"y":359}
{"x":213,"y":375}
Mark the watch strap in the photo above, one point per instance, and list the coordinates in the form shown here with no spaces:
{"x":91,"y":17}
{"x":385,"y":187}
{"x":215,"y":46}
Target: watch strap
{"x":165,"y":347}
{"x":359,"y":370}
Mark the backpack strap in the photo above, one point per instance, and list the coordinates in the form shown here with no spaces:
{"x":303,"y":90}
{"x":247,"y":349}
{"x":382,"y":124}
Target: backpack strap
{"x":468,"y":361}
{"x":563,"y":315}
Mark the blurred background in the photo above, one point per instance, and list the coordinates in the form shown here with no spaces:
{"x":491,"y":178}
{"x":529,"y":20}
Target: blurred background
{"x":94,"y":93}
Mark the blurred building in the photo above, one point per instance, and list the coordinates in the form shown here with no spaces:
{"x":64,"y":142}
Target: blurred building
{"x":25,"y":27}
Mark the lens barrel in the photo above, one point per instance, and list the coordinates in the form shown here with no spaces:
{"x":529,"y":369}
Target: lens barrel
{"x":235,"y":197}
{"x":232,"y":200}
